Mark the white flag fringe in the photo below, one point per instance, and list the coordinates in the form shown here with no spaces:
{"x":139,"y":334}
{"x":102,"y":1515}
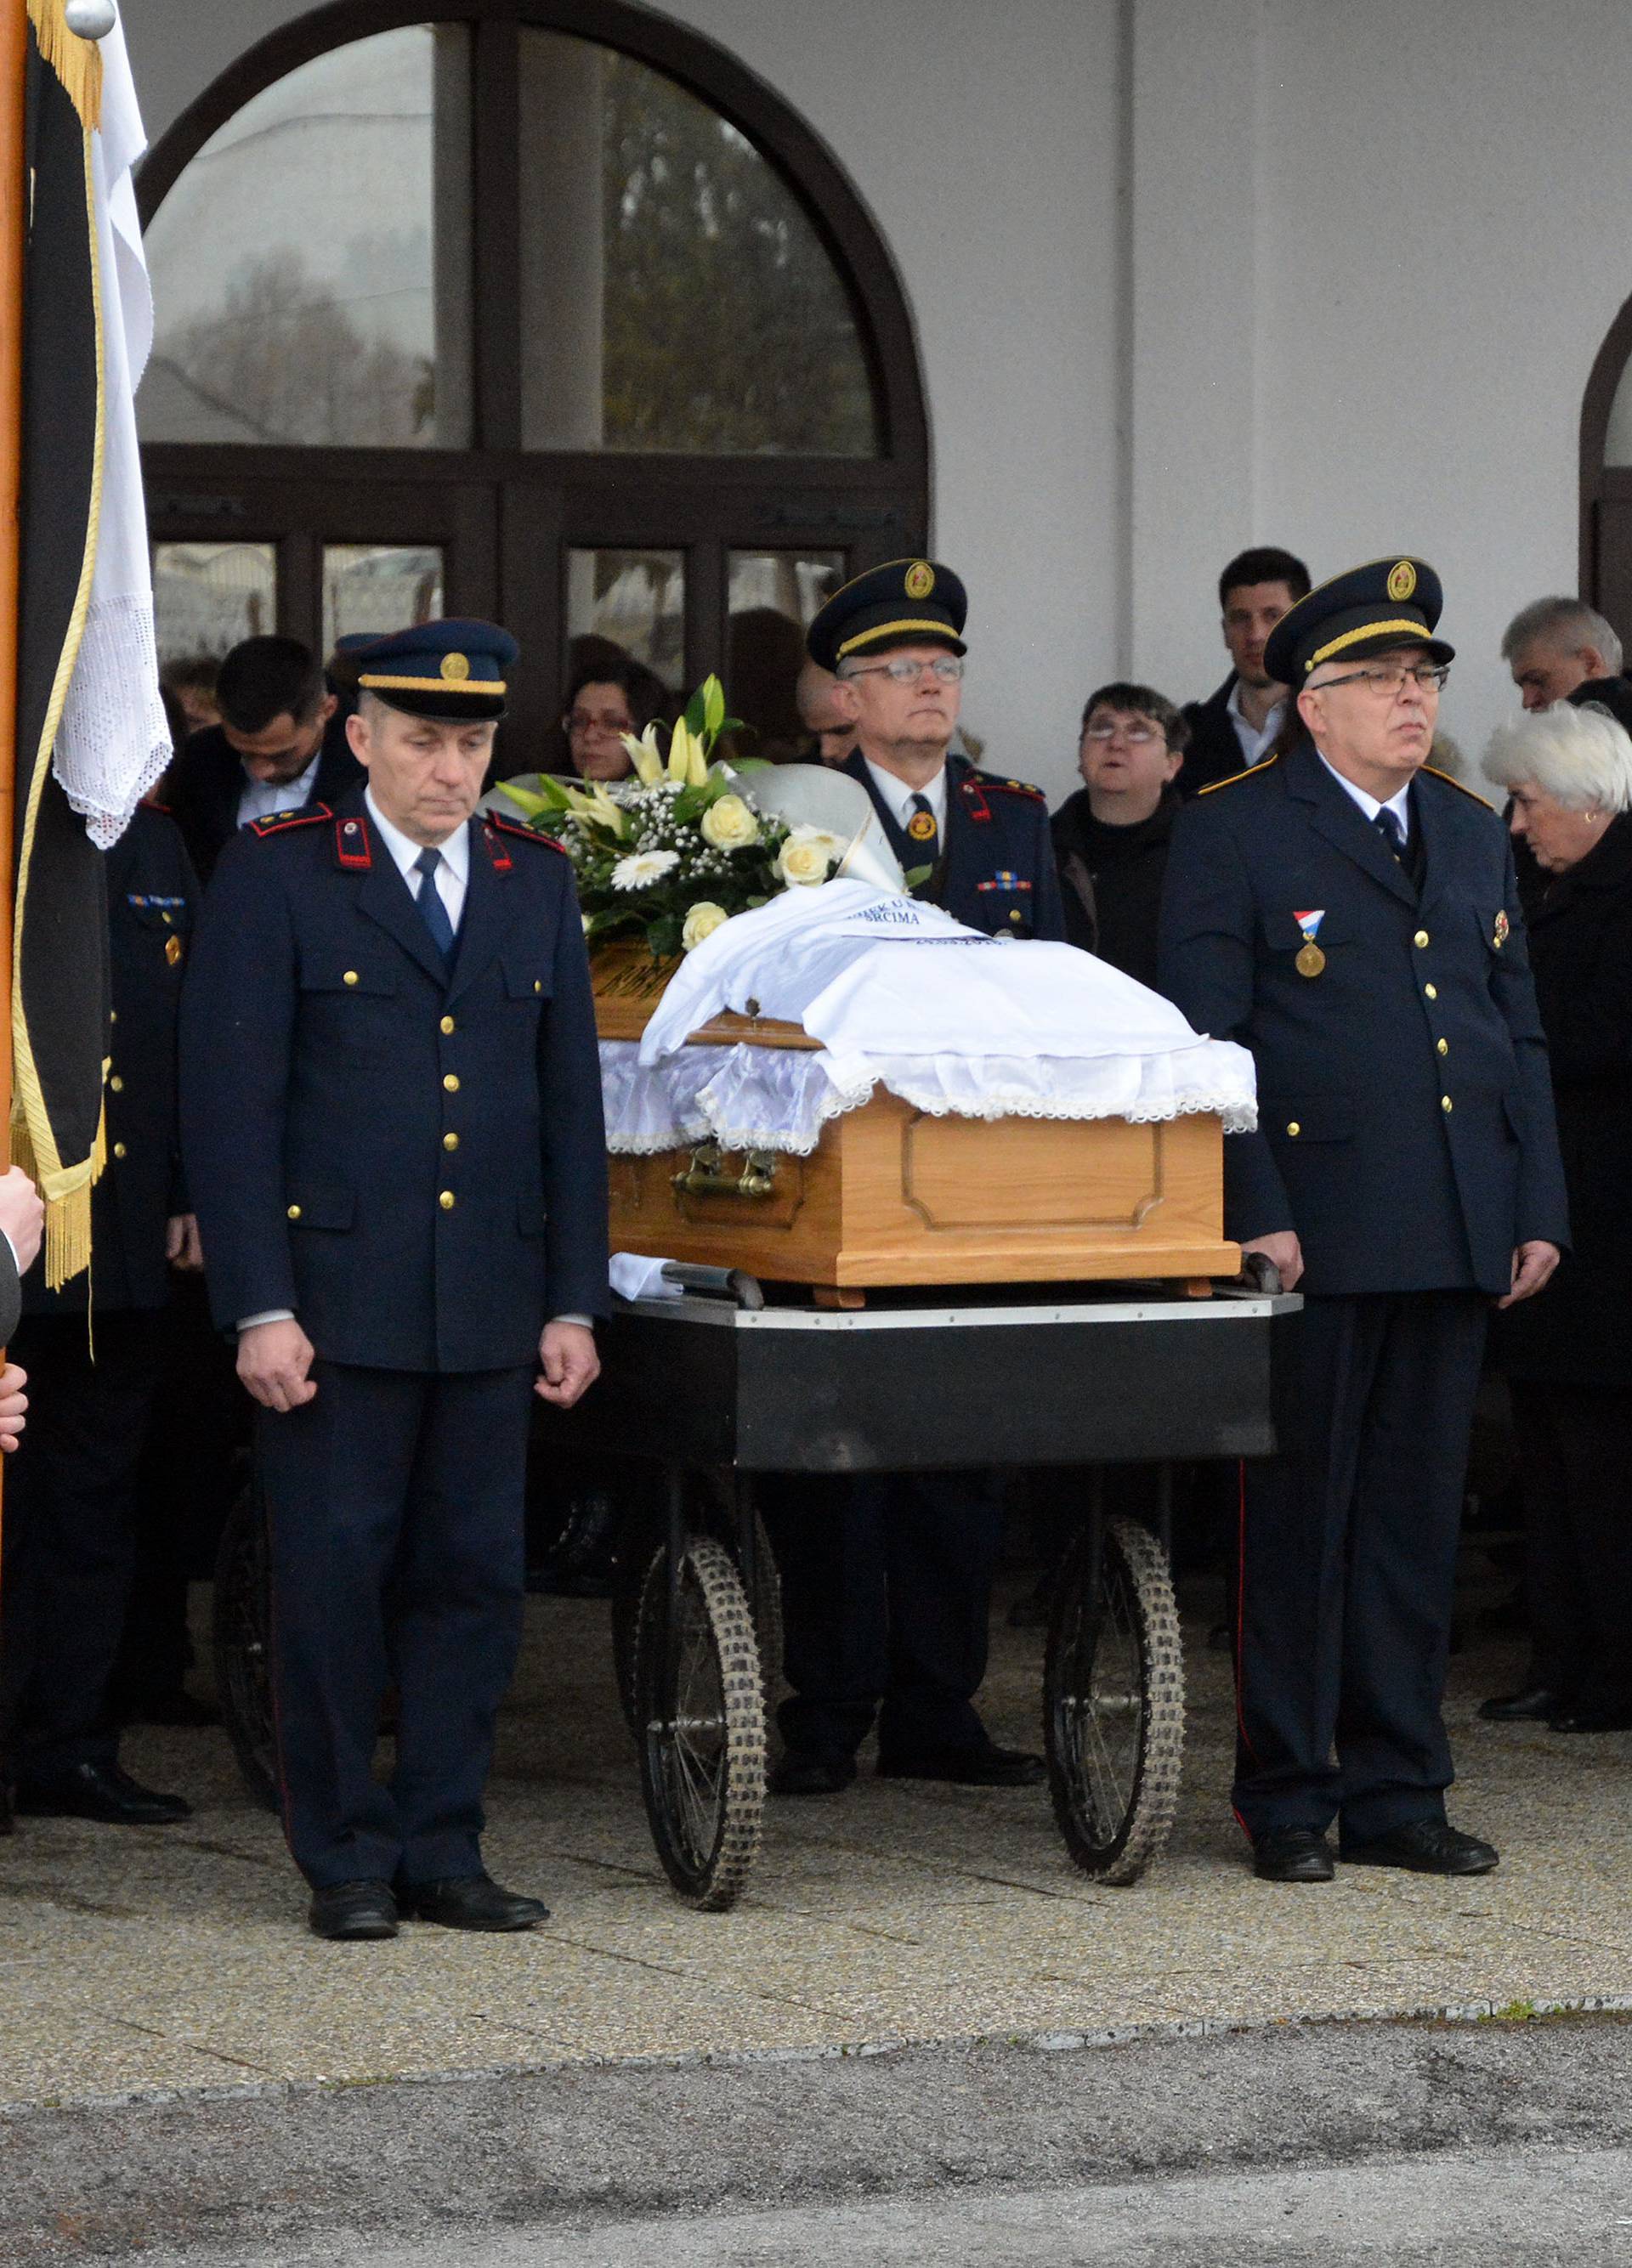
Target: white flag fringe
{"x":112,"y":741}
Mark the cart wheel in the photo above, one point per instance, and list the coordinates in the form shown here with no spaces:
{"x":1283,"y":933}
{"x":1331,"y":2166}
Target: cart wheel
{"x":703,"y":1743}
{"x":767,"y":1608}
{"x":241,"y":1637}
{"x":1113,"y":1705}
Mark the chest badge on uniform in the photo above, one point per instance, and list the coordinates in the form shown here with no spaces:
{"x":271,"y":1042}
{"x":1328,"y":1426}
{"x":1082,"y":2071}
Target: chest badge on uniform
{"x":173,"y":950}
{"x":1311,"y":960}
{"x":921,"y":826}
{"x":1499,"y":930}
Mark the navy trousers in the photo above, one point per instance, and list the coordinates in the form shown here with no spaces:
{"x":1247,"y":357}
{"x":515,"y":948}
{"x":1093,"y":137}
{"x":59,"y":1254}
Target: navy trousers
{"x":886,"y":1601}
{"x":394,"y":1503}
{"x":1347,"y":1560}
{"x":70,"y":1533}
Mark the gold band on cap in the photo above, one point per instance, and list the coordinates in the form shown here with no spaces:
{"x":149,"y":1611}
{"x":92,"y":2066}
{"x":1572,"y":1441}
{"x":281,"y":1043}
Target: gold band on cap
{"x":1418,"y":630}
{"x":433,"y":685}
{"x":893,"y":630}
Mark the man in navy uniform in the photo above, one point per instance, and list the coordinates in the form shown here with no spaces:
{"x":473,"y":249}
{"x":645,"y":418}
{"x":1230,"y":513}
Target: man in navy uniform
{"x":887,"y":1579}
{"x":391,"y":1110}
{"x":94,"y":1350}
{"x":1350,"y":916}
{"x":893,"y":639}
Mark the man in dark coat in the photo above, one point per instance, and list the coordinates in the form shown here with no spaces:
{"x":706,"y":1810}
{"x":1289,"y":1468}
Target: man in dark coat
{"x":1111,"y":836}
{"x":93,"y":1350}
{"x":886,"y":1580}
{"x":1236,"y":726}
{"x":281,"y":744}
{"x":391,"y":1112}
{"x":978,"y":840}
{"x":1352,"y":918}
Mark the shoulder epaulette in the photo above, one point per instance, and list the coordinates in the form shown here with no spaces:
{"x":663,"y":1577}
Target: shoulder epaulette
{"x":996,"y":781}
{"x":528,"y":833}
{"x":1235,"y":778}
{"x":1462,"y":788}
{"x":278,"y":822}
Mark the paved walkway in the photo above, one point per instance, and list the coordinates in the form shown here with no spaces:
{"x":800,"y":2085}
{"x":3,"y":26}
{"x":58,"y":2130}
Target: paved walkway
{"x":176,"y":1959}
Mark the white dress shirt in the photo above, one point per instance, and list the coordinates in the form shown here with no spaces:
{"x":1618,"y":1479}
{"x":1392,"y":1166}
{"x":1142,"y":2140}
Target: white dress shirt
{"x":1256,"y":740}
{"x":452,"y":874}
{"x":260,"y":798}
{"x":452,"y":878}
{"x":898,"y":796}
{"x":1399,"y":804}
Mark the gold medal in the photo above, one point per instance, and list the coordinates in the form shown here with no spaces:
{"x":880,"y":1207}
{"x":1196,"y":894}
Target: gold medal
{"x":1311,"y":960}
{"x":173,"y":950}
{"x":921,"y":826}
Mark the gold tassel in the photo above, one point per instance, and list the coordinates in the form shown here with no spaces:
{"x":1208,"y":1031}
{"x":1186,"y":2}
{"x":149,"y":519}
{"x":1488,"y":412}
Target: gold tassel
{"x":78,"y":62}
{"x":68,"y":1211}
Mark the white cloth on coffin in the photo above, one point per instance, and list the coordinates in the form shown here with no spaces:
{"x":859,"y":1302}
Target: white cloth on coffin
{"x":952,"y":1021}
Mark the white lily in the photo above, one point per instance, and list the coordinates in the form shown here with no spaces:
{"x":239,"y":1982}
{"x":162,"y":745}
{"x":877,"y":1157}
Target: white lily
{"x":680,"y":747}
{"x":597,"y":809}
{"x":645,"y":755}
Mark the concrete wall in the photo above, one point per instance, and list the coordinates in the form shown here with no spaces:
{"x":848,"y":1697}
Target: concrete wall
{"x":1189,"y":274}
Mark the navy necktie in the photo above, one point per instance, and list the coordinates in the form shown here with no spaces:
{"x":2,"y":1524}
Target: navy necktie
{"x":431,"y":906}
{"x":1387,"y":825}
{"x":922,"y":832}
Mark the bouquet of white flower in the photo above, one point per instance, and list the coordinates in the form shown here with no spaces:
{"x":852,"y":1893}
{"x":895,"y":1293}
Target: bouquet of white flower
{"x":670,"y":854}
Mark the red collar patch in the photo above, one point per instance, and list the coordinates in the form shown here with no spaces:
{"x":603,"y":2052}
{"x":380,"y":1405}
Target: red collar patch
{"x":980,"y":809}
{"x":496,"y":850}
{"x":353,"y":851}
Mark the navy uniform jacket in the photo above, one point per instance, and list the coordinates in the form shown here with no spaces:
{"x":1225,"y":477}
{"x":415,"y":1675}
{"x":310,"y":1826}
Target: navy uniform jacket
{"x":996,"y":872}
{"x":207,"y":781}
{"x":152,"y":897}
{"x":415,"y":1163}
{"x":1406,"y":1127}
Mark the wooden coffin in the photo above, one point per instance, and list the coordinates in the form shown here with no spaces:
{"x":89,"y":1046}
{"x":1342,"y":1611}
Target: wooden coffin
{"x":893,"y":1196}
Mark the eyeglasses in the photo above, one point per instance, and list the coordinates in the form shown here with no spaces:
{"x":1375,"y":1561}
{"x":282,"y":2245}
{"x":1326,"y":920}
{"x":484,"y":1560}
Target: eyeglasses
{"x":1137,"y":736}
{"x":1427,"y":677}
{"x":580,"y":720}
{"x":947,"y":667}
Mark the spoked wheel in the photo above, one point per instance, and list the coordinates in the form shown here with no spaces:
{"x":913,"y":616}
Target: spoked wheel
{"x":240,"y":1637}
{"x":1113,"y":1701}
{"x":702,"y":1726}
{"x":630,"y":1586}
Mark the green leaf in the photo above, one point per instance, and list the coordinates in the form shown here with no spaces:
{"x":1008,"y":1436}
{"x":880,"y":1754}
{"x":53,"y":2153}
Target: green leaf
{"x":662,"y":937}
{"x":915,"y":875}
{"x":695,"y":713}
{"x":752,"y":764}
{"x":526,"y":802}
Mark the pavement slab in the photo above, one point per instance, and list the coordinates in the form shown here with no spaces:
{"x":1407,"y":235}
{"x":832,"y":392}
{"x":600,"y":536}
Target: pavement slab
{"x":171,"y":1959}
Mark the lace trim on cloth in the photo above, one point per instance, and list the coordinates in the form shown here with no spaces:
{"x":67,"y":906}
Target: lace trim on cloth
{"x":769,"y":1099}
{"x":114,"y":740}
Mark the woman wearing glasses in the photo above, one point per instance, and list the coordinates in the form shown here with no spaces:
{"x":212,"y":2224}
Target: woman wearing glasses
{"x":1111,"y":838}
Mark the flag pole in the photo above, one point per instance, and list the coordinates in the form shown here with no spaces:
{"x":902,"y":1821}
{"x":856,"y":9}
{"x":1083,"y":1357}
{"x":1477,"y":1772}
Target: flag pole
{"x":13,"y":187}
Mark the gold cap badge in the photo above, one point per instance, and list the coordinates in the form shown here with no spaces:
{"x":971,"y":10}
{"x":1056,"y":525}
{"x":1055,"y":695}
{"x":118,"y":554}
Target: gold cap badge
{"x":1402,"y":580}
{"x":456,"y":668}
{"x":920,"y":579}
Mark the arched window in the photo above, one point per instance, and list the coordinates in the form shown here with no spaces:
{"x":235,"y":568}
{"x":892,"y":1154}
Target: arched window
{"x":1607,"y":478}
{"x":556,"y":315}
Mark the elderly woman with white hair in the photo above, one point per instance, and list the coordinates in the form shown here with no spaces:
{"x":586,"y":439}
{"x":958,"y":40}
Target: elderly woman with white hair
{"x":1569,"y":1354}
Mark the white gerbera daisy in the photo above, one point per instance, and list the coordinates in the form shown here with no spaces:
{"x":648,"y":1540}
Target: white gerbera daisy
{"x":642,"y":868}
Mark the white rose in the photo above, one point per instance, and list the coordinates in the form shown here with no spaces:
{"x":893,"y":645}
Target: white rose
{"x":702,"y":920}
{"x":729,"y":824}
{"x":807,"y":856}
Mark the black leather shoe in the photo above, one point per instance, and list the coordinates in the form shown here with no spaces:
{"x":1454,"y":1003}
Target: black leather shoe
{"x":1292,"y":1854}
{"x":1592,"y":1721}
{"x":1535,"y":1705}
{"x":802,"y":1772}
{"x":345,"y":1911}
{"x":1423,"y":1846}
{"x":983,"y":1767}
{"x":91,"y":1791}
{"x":469,"y":1901}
